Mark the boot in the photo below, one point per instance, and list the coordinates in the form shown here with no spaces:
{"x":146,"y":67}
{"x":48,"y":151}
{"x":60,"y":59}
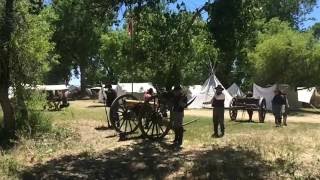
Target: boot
{"x":180,"y":136}
{"x":175,"y":141}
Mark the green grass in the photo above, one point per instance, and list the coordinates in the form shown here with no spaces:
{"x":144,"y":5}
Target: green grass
{"x":248,"y":150}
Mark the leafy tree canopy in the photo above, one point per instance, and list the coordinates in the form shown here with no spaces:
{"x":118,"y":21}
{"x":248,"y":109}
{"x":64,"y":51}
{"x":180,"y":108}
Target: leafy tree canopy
{"x":285,"y":55}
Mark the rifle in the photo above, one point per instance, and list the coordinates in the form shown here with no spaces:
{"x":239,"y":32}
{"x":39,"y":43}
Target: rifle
{"x":187,"y":123}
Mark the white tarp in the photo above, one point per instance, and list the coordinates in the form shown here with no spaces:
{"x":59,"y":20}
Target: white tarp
{"x":234,"y":90}
{"x":138,"y":88}
{"x":207,"y":92}
{"x":11,"y":93}
{"x":267,"y":93}
{"x":305,"y":94}
{"x":52,"y":87}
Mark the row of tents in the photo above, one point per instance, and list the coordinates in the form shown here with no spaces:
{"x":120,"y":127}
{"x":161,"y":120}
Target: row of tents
{"x":204,"y":93}
{"x":296,"y":97}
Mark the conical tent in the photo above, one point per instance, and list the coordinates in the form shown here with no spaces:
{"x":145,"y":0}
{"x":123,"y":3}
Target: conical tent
{"x":234,"y":90}
{"x":207,"y":92}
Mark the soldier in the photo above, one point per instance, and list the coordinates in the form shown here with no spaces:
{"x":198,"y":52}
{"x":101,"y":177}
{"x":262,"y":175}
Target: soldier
{"x":250,"y":112}
{"x":217,"y":103}
{"x":285,"y":108}
{"x":148,"y":95}
{"x":179,"y":103}
{"x":111,"y":94}
{"x":277,"y":103}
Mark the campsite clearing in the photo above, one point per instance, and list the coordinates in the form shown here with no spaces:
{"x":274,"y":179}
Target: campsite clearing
{"x":89,"y":151}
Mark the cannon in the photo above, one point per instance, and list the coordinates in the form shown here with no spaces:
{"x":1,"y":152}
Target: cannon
{"x":250,"y":104}
{"x":152,"y":117}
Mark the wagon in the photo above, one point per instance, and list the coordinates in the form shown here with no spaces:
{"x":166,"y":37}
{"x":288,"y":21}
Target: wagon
{"x":250,"y":104}
{"x":152,"y":118}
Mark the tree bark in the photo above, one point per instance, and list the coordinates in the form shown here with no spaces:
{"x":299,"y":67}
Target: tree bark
{"x":8,"y":112}
{"x":83,"y":80}
{"x":6,"y":31}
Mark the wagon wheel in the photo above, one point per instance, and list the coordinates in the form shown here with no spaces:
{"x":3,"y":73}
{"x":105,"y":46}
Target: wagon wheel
{"x":262,"y":110}
{"x":154,"y":120}
{"x":124,"y":119}
{"x":232,"y":111}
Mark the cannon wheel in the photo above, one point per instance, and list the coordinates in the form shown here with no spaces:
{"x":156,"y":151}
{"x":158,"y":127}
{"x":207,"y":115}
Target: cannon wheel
{"x":154,"y":120}
{"x":232,"y":111}
{"x":124,"y":119}
{"x":262,"y":110}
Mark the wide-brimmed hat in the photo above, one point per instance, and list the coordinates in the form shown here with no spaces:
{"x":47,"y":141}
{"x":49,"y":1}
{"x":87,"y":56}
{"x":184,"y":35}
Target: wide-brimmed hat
{"x":219,"y":87}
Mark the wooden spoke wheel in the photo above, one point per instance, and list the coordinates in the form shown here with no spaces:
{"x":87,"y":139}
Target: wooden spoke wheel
{"x":232,"y":111}
{"x":154,"y":120}
{"x":262,"y":110}
{"x":124,"y":118}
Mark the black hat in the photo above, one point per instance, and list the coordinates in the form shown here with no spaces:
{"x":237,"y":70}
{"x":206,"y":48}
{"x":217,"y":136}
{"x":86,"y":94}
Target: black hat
{"x":219,"y":87}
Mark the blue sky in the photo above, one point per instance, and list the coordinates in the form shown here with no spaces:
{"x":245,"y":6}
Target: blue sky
{"x":194,"y":4}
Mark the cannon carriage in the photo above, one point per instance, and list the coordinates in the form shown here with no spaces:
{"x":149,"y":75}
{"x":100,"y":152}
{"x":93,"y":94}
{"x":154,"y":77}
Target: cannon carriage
{"x":248,"y":104}
{"x":151,"y":118}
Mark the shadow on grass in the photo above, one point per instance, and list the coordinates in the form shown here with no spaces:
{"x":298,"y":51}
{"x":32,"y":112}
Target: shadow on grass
{"x":229,"y":163}
{"x":246,"y":121}
{"x":153,"y":160}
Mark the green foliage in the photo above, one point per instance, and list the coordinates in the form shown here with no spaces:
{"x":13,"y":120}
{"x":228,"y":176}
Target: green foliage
{"x":162,"y":38}
{"x":37,"y":122}
{"x":115,"y":50}
{"x":284,"y":55}
{"x":294,"y":11}
{"x":315,"y":29}
{"x":77,"y":39}
{"x":31,"y":46}
{"x":204,"y":56}
{"x":9,"y":167}
{"x":233,"y":28}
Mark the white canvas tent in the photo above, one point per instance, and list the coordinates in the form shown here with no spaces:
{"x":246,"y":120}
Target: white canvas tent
{"x":207,"y":92}
{"x":138,"y":88}
{"x":234,"y":90}
{"x":268,"y":94}
{"x":305,"y":94}
{"x":193,"y":90}
{"x":309,"y":96}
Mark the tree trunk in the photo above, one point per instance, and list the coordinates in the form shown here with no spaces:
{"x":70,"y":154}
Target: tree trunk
{"x":6,"y":31}
{"x":8,"y":113}
{"x":83,"y":80}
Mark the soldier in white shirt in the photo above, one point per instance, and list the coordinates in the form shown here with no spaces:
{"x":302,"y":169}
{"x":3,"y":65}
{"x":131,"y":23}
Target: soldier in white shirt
{"x":217,"y":103}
